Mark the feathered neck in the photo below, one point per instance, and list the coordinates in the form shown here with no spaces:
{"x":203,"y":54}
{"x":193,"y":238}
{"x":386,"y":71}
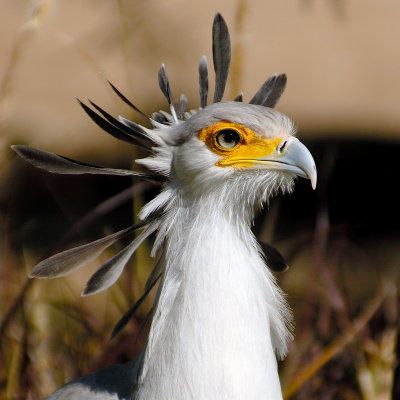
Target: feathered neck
{"x":219,"y":318}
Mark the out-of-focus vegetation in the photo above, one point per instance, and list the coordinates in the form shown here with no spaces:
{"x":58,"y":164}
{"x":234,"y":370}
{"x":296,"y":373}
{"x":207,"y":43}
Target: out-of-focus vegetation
{"x":341,"y":241}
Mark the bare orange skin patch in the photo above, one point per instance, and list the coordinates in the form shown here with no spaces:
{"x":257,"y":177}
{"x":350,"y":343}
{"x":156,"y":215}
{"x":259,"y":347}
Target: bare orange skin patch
{"x":244,"y":154}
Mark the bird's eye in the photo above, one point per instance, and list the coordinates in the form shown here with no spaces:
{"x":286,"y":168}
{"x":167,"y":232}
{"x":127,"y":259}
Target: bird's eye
{"x":228,"y":138}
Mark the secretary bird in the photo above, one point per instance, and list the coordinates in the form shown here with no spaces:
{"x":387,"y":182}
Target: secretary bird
{"x":220,"y":321}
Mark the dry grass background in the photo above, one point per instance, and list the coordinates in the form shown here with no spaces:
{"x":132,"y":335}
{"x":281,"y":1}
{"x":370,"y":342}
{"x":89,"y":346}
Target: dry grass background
{"x":342,"y":242}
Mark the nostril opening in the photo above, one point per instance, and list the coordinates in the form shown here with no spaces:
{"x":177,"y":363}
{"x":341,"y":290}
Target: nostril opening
{"x":282,"y":146}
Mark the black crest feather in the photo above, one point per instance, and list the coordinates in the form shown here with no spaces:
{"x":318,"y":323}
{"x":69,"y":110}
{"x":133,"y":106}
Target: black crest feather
{"x":126,"y":101}
{"x":134,"y":131}
{"x":164,"y":84}
{"x":62,"y":165}
{"x":203,"y":81}
{"x":273,"y":257}
{"x":270,"y":92}
{"x":221,"y":55}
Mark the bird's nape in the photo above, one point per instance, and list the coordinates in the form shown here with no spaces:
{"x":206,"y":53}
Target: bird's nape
{"x":212,"y":165}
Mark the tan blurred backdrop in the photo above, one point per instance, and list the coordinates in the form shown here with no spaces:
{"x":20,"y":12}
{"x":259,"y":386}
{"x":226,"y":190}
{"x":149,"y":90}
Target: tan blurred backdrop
{"x":342,"y":60}
{"x":343,"y":65}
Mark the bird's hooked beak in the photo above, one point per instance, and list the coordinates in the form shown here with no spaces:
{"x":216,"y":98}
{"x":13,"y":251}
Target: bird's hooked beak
{"x":285,"y":154}
{"x":292,"y":156}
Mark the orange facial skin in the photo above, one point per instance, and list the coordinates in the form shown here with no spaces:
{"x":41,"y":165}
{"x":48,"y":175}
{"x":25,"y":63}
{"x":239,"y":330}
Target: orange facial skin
{"x":244,"y":154}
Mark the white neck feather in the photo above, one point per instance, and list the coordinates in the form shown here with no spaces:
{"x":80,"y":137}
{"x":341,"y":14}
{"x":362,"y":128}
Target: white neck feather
{"x":219,"y":317}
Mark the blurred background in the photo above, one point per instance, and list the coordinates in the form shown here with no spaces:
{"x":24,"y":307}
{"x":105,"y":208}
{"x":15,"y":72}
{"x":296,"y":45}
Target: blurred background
{"x":341,"y":242}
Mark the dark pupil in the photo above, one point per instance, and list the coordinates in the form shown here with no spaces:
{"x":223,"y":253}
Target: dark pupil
{"x":228,"y":136}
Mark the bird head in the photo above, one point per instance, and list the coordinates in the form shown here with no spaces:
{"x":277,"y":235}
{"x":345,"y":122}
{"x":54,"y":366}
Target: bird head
{"x":238,"y":143}
{"x":226,"y":145}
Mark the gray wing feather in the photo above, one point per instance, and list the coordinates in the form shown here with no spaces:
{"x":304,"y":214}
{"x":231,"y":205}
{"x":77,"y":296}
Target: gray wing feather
{"x":117,"y":382}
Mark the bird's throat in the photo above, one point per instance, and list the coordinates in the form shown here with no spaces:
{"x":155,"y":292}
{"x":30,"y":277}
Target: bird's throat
{"x":211,"y":330}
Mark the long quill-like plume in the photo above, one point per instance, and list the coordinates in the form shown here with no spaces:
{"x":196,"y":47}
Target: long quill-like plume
{"x":221,"y":55}
{"x":62,"y":165}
